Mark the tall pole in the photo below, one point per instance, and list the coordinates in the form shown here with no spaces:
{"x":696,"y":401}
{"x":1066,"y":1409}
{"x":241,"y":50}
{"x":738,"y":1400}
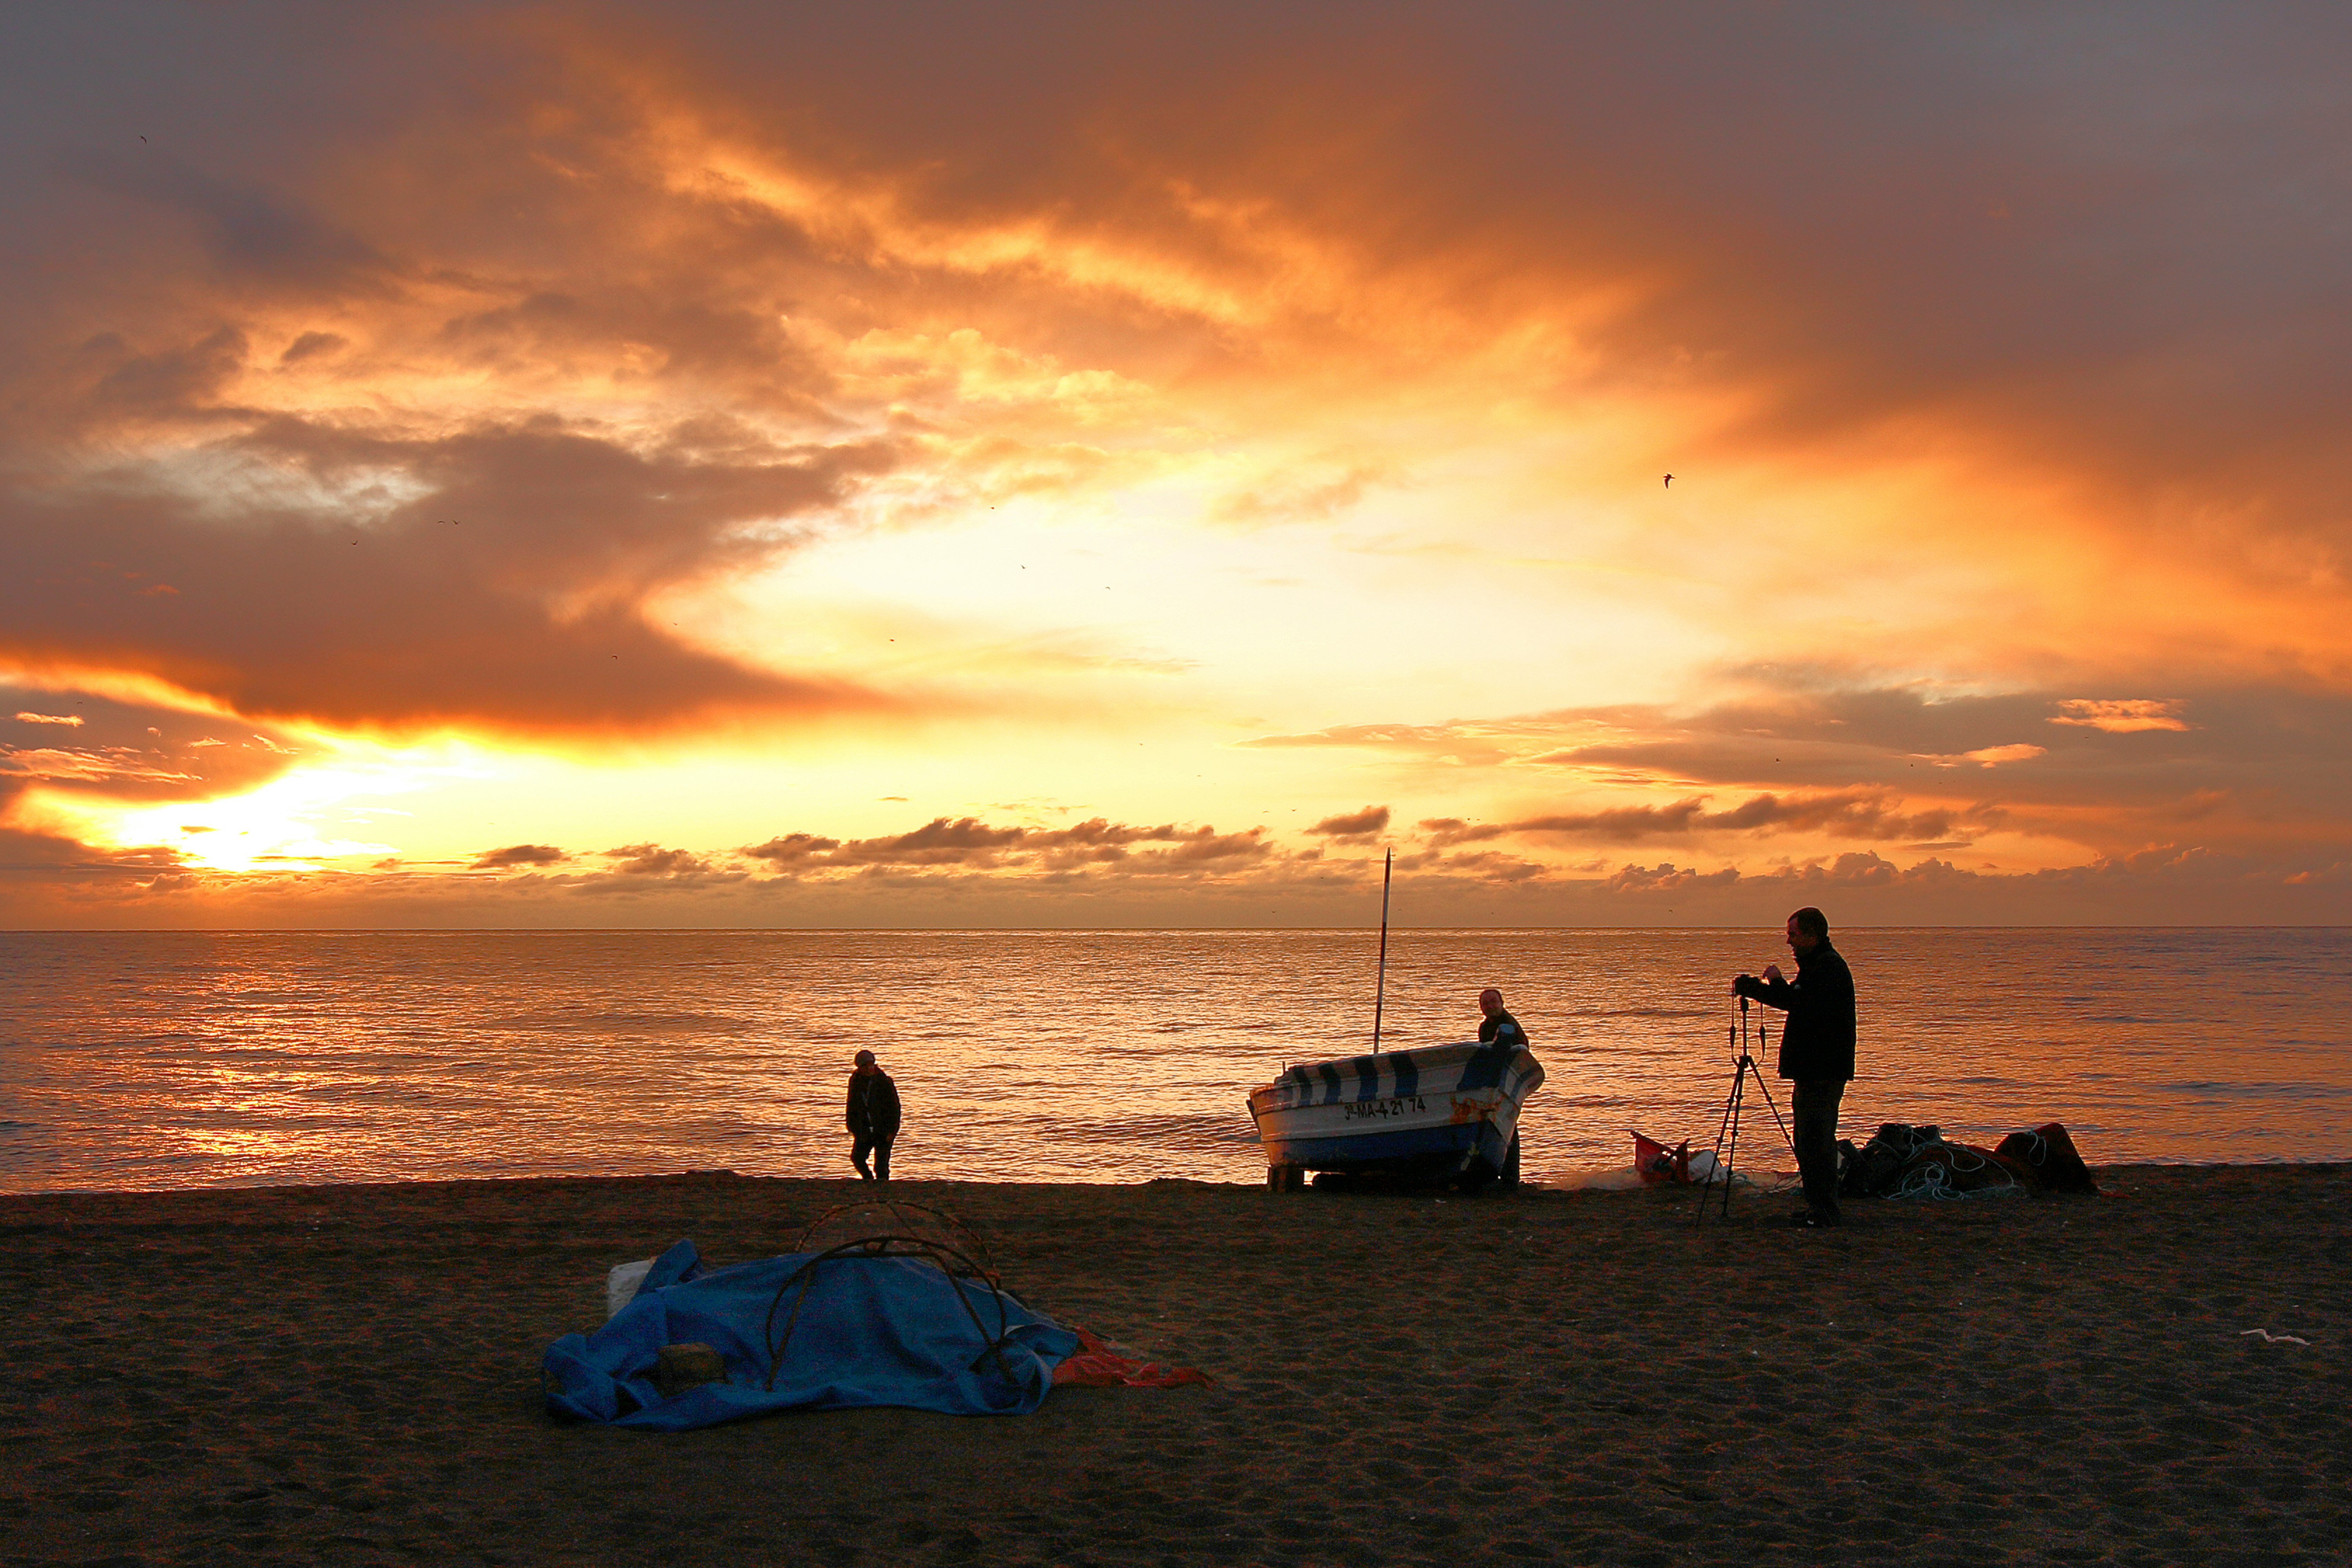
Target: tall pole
{"x":1381,"y":990}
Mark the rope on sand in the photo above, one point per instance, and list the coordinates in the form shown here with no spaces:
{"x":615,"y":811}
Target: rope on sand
{"x":1934,"y":1180}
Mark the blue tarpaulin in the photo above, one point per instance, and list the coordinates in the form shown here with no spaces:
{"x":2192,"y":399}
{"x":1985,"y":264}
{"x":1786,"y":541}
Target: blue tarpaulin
{"x":871,"y":1330}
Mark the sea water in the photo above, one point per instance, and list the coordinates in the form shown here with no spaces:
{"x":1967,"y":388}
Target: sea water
{"x":178,"y":1059}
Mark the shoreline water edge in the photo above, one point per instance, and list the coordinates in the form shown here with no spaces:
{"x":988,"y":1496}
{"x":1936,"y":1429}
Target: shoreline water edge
{"x":349,"y":1372}
{"x":159,"y":1061}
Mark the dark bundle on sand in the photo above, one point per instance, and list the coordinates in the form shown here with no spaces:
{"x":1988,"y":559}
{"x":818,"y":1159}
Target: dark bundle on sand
{"x":1907,"y":1162}
{"x":352,"y":1375}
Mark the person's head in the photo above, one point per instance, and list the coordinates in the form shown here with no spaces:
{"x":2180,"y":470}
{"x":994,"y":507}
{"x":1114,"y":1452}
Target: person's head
{"x":865,"y":1060}
{"x":1490,"y":1002}
{"x":1808,"y":928}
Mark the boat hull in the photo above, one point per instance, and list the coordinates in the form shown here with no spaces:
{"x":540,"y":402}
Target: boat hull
{"x":1438,"y":1112}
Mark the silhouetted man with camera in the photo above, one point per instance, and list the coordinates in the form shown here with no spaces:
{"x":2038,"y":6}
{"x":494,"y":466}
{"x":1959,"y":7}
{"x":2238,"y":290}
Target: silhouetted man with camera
{"x":1816,"y":1052}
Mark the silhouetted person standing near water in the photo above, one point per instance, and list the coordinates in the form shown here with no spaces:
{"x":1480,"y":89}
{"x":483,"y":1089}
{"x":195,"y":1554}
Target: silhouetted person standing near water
{"x":873,"y":1118}
{"x":1816,"y":1052}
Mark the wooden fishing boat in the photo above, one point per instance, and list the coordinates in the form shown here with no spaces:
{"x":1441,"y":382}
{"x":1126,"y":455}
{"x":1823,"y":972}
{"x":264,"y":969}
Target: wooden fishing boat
{"x":1441,"y":1113}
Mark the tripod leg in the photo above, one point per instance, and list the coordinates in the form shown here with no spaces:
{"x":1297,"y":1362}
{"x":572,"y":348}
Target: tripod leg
{"x":1723,"y":1128}
{"x":1731,"y":1154}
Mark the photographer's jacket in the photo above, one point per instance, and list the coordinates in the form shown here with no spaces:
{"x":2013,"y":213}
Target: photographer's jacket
{"x":873,"y":1105}
{"x":1818,"y":1039}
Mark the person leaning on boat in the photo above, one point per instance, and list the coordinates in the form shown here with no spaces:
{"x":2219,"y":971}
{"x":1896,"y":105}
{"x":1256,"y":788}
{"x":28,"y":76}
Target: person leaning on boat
{"x":1499,"y":1028}
{"x":1816,"y":1052}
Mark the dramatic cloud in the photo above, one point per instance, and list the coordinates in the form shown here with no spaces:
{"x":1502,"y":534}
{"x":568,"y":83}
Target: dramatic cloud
{"x":1354,"y":826}
{"x":510,"y":590}
{"x":2120,"y":717}
{"x":132,"y":751}
{"x":969,"y":841}
{"x":1190,"y":417}
{"x":1461,"y":744}
{"x":519,"y":854}
{"x":1846,"y":815}
{"x":2247,"y":771}
{"x":652,"y":861}
{"x":1447,"y":831}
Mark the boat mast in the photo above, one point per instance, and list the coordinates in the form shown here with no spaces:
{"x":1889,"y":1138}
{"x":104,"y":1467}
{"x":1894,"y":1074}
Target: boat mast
{"x":1380,"y":987}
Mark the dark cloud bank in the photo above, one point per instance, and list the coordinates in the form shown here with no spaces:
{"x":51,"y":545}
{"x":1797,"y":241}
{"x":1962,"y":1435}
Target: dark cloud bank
{"x":968,"y":871}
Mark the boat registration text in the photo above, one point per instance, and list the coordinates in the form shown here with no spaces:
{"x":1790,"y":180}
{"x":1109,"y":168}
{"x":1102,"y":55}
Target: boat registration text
{"x":1394,"y":1105}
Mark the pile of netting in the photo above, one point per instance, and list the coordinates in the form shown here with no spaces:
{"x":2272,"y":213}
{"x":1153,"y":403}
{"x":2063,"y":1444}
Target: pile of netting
{"x":1907,"y":1162}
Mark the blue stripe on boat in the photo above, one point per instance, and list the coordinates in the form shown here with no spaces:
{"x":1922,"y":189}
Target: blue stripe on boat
{"x":1361,"y":1149}
{"x":1368,"y":1077}
{"x":1484,"y":1068}
{"x":1331,"y":1083}
{"x":1408,"y":1076}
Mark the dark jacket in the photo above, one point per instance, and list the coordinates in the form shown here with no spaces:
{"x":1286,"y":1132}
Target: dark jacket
{"x":1502,"y":1030}
{"x":873,"y":1105}
{"x":1818,"y":1039}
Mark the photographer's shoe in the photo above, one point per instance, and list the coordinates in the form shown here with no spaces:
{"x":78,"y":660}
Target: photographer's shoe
{"x":1814,"y":1219}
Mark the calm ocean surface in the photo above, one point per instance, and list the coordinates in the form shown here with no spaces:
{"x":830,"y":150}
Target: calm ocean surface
{"x":171,"y":1059}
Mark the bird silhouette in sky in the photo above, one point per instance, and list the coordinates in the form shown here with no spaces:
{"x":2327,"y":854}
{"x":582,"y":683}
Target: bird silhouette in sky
{"x":1670,"y":481}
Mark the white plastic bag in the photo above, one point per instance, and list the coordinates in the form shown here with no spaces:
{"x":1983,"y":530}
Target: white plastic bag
{"x":621,"y":1285}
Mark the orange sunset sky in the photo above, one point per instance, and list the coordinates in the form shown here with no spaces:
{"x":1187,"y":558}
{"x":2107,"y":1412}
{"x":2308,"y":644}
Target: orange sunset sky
{"x":904,"y":465}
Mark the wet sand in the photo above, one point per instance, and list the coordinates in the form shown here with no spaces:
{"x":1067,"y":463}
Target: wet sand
{"x":350,"y":1374}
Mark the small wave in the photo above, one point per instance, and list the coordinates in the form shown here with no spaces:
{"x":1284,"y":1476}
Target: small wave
{"x":1146,"y":1133}
{"x":2258,"y":1090}
{"x":589,"y":1023}
{"x":1707,"y":1012}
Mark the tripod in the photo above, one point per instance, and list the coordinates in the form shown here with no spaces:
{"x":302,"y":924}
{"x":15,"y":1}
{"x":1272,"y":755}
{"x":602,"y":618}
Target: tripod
{"x":1726,"y":1136}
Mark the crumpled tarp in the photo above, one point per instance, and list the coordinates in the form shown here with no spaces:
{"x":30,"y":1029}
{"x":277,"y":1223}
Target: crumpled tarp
{"x":872,"y":1331}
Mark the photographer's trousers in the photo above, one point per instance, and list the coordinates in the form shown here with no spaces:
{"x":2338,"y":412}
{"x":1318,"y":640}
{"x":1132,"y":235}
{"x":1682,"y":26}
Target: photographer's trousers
{"x":1814,"y":1112}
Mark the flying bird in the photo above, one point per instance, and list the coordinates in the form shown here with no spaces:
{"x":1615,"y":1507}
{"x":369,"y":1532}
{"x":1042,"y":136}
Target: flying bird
{"x":1670,"y":481}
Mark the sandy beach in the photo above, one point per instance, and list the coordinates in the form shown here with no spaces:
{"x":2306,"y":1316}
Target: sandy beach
{"x":352,"y":1375}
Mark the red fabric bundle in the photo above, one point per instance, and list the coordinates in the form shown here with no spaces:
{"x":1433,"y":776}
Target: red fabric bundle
{"x":1096,"y":1365}
{"x":1659,"y":1164}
